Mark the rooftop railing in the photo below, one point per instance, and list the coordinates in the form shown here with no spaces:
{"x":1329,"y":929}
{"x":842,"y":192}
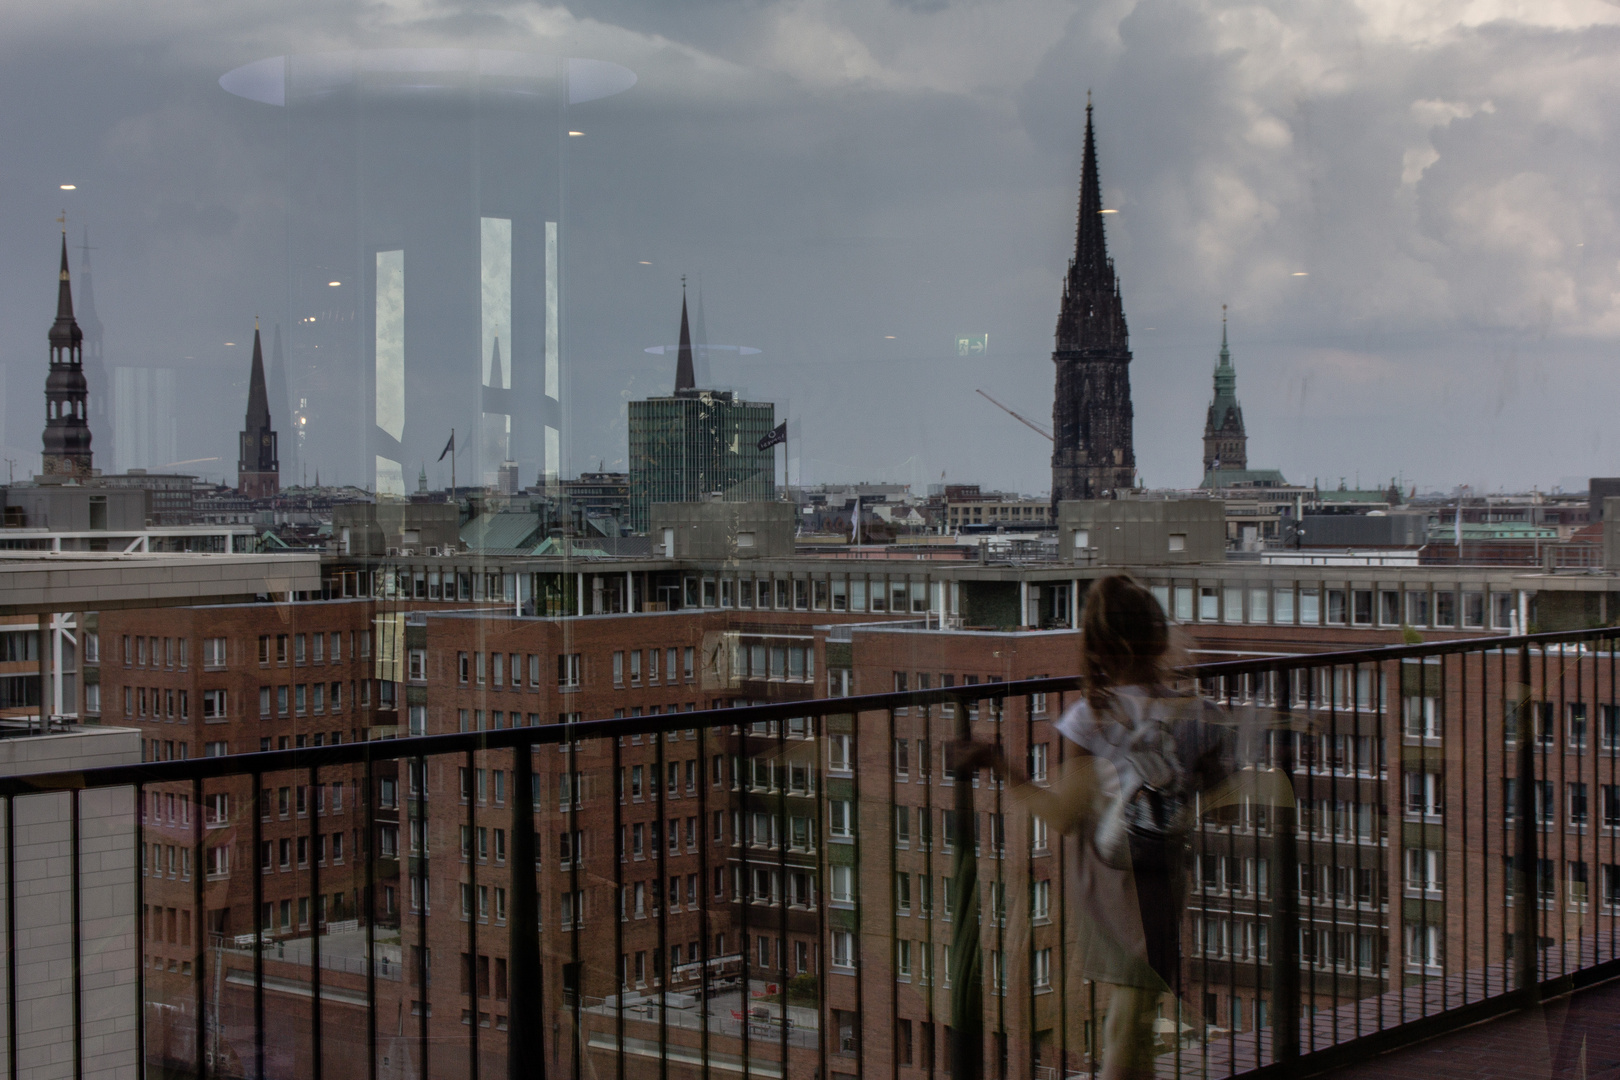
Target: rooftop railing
{"x":822,"y":888}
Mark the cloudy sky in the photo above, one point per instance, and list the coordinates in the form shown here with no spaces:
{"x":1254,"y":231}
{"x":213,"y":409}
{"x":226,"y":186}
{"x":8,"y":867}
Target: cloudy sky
{"x":1410,"y":210}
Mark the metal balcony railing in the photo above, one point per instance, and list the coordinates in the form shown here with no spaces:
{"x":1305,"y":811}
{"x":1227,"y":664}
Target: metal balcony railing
{"x":819,"y":888}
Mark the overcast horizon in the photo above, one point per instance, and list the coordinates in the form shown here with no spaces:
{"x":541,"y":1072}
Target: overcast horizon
{"x":1410,"y":212}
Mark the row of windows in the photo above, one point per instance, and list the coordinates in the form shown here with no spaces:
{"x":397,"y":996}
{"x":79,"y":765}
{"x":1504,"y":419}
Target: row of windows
{"x":283,"y":852}
{"x":840,"y":592}
{"x":318,"y":648}
{"x":629,"y":668}
{"x":303,"y":699}
{"x":1313,"y":605}
{"x":1545,"y":794}
{"x":1577,"y":881}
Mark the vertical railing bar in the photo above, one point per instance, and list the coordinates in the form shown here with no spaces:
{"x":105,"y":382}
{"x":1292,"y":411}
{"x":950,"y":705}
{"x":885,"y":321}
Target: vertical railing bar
{"x":1462,"y":842}
{"x":925,"y":771}
{"x":1200,"y":840}
{"x":1062,"y":921}
{"x":1261,"y":760}
{"x":260,"y":807}
{"x":892,"y":915}
{"x":1334,"y":787}
{"x":860,"y":907}
{"x":525,"y":1033}
{"x":1445,"y":845}
{"x":1233,"y":929}
{"x":1544,"y":840}
{"x":199,"y":925}
{"x":576,"y":797}
{"x":425,"y":958}
{"x":78,"y":936}
{"x":1614,"y":745}
{"x":744,"y":786}
{"x":706,"y":872}
{"x":1284,"y":941}
{"x":967,"y":989}
{"x":1028,"y":913}
{"x":314,"y":929}
{"x":140,"y":935}
{"x":784,"y":835}
{"x":820,"y":833}
{"x":472,"y":915}
{"x":368,"y":852}
{"x":998,"y":909}
{"x":1561,"y":821}
{"x":1485,"y":742}
{"x":619,"y":912}
{"x":661,"y":962}
{"x":1524,"y":859}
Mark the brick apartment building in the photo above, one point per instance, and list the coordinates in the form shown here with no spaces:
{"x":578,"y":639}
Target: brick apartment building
{"x":732,"y":857}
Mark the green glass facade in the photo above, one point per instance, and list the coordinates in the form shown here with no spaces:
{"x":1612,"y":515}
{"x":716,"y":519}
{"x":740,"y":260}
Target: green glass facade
{"x":696,"y":444}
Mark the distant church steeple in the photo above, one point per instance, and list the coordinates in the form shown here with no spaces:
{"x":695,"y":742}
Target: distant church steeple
{"x":1093,"y":455}
{"x":67,"y":420}
{"x":258,"y":470}
{"x":1226,"y":446}
{"x":685,"y":375}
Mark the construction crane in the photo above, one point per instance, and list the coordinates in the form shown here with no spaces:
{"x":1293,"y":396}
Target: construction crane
{"x":1032,"y":425}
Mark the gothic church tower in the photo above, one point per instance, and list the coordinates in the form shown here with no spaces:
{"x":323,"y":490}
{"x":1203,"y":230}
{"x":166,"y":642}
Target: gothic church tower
{"x":67,"y":417}
{"x":258,"y":469}
{"x":1092,"y":454}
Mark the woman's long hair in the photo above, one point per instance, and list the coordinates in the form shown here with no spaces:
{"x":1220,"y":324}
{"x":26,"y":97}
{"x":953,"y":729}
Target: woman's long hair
{"x":1124,"y":639}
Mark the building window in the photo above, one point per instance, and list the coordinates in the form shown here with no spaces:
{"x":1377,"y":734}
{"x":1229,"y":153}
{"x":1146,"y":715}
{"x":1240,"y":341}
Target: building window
{"x":568,"y":670}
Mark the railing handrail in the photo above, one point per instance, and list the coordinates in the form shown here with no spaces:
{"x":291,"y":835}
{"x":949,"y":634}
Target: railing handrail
{"x":358,"y":753}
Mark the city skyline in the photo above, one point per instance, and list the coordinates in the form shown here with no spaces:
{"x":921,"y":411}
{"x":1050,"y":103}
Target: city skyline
{"x":1454,"y":285}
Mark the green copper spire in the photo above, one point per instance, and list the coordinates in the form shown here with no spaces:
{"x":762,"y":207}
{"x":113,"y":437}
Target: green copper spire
{"x":1225,"y":442}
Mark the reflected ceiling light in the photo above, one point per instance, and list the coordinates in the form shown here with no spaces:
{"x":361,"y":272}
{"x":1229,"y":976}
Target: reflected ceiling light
{"x":334,"y":284}
{"x":576,"y":133}
{"x":1301,"y":273}
{"x":1108,"y":211}
{"x":888,"y":337}
{"x":644,"y":262}
{"x":230,"y":343}
{"x":70,"y":187}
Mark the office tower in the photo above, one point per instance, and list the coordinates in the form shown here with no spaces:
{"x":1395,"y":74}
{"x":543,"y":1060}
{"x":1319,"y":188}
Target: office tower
{"x":697,"y":444}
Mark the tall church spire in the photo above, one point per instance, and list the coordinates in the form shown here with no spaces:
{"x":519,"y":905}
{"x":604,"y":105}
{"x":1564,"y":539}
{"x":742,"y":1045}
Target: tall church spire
{"x":67,"y":421}
{"x":1092,"y":453}
{"x":1226,"y":445}
{"x":685,"y":378}
{"x":258,"y":469}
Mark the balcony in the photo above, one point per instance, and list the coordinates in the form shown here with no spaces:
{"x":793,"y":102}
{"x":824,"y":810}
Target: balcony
{"x":816,"y":888}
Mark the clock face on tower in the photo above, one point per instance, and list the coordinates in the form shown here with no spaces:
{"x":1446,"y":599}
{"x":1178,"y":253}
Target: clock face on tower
{"x":265,"y":439}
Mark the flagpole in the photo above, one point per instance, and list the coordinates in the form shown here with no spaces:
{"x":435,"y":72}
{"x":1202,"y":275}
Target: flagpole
{"x":453,"y":497}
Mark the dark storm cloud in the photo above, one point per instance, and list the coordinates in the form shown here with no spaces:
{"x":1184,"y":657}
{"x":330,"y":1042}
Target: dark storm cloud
{"x":854,"y":184}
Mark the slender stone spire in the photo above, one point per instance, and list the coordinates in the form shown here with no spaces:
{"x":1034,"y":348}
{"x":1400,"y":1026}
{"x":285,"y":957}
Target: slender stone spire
{"x":67,"y":418}
{"x":258,"y":470}
{"x":1092,"y":315}
{"x":1093,"y":455}
{"x":685,"y":378}
{"x":1226,"y":445}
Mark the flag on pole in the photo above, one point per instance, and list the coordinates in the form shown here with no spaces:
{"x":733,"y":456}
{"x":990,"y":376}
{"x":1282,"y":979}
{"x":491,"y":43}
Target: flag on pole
{"x":449,"y":447}
{"x":778,"y":434}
